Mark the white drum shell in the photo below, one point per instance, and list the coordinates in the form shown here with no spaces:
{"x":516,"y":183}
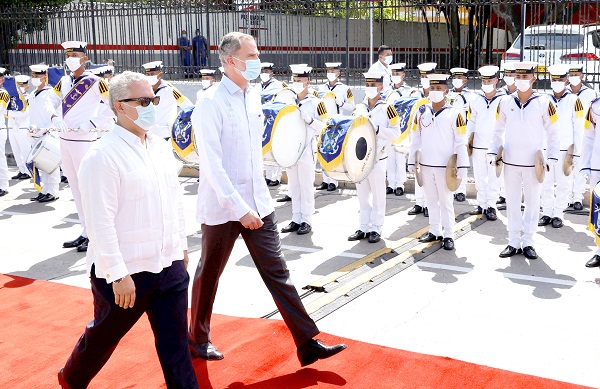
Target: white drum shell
{"x":46,"y":154}
{"x":288,"y":140}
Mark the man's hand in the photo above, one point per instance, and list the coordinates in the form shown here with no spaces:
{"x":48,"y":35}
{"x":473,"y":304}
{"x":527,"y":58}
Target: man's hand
{"x":251,"y":220}
{"x":186,"y":260}
{"x":306,"y":117}
{"x":59,"y":124}
{"x":491,"y":159}
{"x":124,"y":292}
{"x":339,"y":101}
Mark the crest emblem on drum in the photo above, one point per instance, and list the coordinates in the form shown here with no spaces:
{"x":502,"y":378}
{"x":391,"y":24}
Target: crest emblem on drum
{"x":182,"y":133}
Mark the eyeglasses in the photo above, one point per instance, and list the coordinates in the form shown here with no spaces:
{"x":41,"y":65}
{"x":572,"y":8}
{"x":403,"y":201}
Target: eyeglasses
{"x":144,"y":101}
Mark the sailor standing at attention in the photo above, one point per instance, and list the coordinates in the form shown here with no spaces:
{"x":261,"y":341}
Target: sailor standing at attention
{"x":18,"y":122}
{"x":384,"y":59}
{"x":459,"y":97}
{"x":4,"y":99}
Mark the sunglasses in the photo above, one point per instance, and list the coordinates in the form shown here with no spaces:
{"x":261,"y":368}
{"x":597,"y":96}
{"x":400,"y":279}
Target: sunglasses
{"x":144,"y":101}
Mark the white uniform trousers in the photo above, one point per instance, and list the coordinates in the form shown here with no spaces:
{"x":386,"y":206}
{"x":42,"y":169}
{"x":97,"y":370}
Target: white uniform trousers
{"x":439,"y":201}
{"x":578,"y":186}
{"x":301,"y":180}
{"x":396,"y":169}
{"x":462,"y":188}
{"x":273,"y":173}
{"x":72,"y":152}
{"x":19,"y":141}
{"x":501,"y":184}
{"x":521,"y":182}
{"x":51,"y":181}
{"x":420,"y":199}
{"x":371,"y":197}
{"x":3,"y":163}
{"x":486,"y":182}
{"x":329,"y":180}
{"x":594,"y":179}
{"x":555,"y":200}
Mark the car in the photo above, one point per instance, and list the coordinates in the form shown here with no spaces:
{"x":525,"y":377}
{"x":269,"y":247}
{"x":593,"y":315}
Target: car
{"x":560,"y":43}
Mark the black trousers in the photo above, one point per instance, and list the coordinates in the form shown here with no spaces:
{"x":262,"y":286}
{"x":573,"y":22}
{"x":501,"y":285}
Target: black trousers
{"x":265,"y":249}
{"x":163,"y":297}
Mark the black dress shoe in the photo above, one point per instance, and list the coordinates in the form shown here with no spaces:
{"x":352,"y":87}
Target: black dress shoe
{"x":509,"y":251}
{"x":331,"y":187}
{"x":429,"y":237}
{"x":477,"y":211}
{"x":399,"y":191}
{"x":388,"y":190}
{"x":273,"y":183}
{"x":426,"y":212}
{"x":62,"y":381}
{"x":267,"y":181}
{"x":323,"y":186}
{"x":205,"y":351}
{"x":74,"y":243}
{"x":305,"y":228}
{"x":415,"y":210}
{"x":594,"y":262}
{"x":293,"y":226}
{"x":3,"y":192}
{"x":374,"y":237}
{"x":284,"y":199}
{"x":48,"y":198}
{"x":25,"y":176}
{"x":544,"y":221}
{"x":17,"y":177}
{"x":448,"y":244}
{"x":557,"y":222}
{"x":529,"y":252}
{"x":313,"y":350}
{"x":501,"y":200}
{"x":38,"y":197}
{"x":490,"y":214}
{"x":64,"y":179}
{"x":460,"y":197}
{"x":577,"y":206}
{"x":358,"y":235}
{"x":82,"y":248}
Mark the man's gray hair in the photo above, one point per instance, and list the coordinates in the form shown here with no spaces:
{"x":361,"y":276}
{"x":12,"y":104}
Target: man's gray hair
{"x":119,"y":85}
{"x":231,"y":44}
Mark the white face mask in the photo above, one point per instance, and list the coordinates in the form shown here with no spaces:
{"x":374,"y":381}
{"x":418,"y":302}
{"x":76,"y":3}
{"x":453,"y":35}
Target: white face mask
{"x":298,"y":87}
{"x":558,"y":86}
{"x":425,"y":83}
{"x":523,"y":85}
{"x":73,"y":63}
{"x":264,"y":77}
{"x":36,"y":81}
{"x":457,"y":83}
{"x":574,"y":80}
{"x":371,"y":92}
{"x":397,"y":79}
{"x":436,"y":96}
{"x":487,"y":88}
{"x":331,"y":77}
{"x":388,"y":59}
{"x":152,"y":80}
{"x":509,"y":80}
{"x":206,"y":83}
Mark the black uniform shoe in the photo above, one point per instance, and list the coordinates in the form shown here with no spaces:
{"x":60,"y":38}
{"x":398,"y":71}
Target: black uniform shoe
{"x":477,"y":211}
{"x":399,"y":191}
{"x":305,"y":228}
{"x":460,"y":197}
{"x":415,"y":210}
{"x":331,"y":187}
{"x":490,"y":214}
{"x":429,"y":237}
{"x":273,"y":183}
{"x":205,"y":351}
{"x":529,"y":252}
{"x":313,"y":350}
{"x":74,"y":243}
{"x":24,"y":176}
{"x":323,"y":186}
{"x":557,"y":222}
{"x":544,"y":221}
{"x":82,"y":248}
{"x":3,"y":192}
{"x":426,"y":212}
{"x":38,"y":197}
{"x":448,"y":244}
{"x":267,"y":181}
{"x":284,"y":199}
{"x":501,"y":200}
{"x":64,"y":179}
{"x":509,"y":251}
{"x":577,"y":206}
{"x":17,"y":177}
{"x":358,"y":235}
{"x":48,"y":198}
{"x":594,"y":262}
{"x":293,"y":226}
{"x":388,"y":190}
{"x":374,"y":237}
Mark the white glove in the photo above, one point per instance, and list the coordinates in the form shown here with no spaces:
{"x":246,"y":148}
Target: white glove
{"x":59,"y":124}
{"x":462,"y":173}
{"x":491,"y":158}
{"x":306,"y":117}
{"x":339,"y":101}
{"x":411,"y":168}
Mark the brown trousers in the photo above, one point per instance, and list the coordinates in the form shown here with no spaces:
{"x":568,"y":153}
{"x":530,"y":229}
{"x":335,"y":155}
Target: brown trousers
{"x":265,"y":249}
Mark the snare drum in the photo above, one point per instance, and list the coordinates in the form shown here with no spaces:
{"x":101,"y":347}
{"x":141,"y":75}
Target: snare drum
{"x":284,"y":135}
{"x":183,"y":139}
{"x":286,"y":95}
{"x":45,"y":154}
{"x":347,"y":148}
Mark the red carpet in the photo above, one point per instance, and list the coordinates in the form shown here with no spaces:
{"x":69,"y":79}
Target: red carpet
{"x":41,"y":321}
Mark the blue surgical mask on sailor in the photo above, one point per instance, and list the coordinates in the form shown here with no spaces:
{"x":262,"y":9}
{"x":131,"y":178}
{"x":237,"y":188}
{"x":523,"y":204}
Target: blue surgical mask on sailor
{"x":253,"y":68}
{"x":146,"y":116}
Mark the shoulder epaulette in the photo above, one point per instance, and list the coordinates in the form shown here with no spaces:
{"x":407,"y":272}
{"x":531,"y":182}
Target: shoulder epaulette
{"x":284,"y":84}
{"x":589,"y":119}
{"x":321,"y":110}
{"x":58,"y":87}
{"x":578,"y":108}
{"x":103,"y":86}
{"x":392,"y":115}
{"x":461,"y":125}
{"x":4,"y":96}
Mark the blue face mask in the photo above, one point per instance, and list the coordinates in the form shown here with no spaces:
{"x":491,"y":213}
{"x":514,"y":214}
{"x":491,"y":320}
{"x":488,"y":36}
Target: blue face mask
{"x":146,"y":116}
{"x":253,"y":69}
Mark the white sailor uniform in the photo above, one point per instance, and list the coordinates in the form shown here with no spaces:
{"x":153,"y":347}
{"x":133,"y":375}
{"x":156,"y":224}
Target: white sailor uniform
{"x":590,"y":151}
{"x":166,"y":110}
{"x":379,"y":67}
{"x":4,"y":99}
{"x":18,"y":122}
{"x":420,"y":199}
{"x":396,"y":161}
{"x":267,"y":90}
{"x":460,"y":101}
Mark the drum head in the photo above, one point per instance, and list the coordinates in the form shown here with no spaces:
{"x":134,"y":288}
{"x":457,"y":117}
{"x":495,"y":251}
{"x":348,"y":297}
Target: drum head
{"x":540,"y":166}
{"x":35,"y":150}
{"x":361,"y":144}
{"x":568,"y":162}
{"x":289,"y":136}
{"x":286,"y":96}
{"x":330,"y":104}
{"x":392,"y":97}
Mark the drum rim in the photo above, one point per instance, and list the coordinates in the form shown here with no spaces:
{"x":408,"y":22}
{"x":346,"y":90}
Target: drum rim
{"x":293,"y":108}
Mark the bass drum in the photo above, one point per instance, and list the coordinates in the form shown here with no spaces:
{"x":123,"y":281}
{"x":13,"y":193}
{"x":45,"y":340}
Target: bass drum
{"x":347,"y":148}
{"x":284,"y":135}
{"x":183,"y":139}
{"x":45,"y":154}
{"x":286,"y":95}
{"x":328,"y":99}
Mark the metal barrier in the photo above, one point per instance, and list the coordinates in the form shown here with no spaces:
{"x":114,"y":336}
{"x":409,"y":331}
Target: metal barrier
{"x":450,"y":32}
